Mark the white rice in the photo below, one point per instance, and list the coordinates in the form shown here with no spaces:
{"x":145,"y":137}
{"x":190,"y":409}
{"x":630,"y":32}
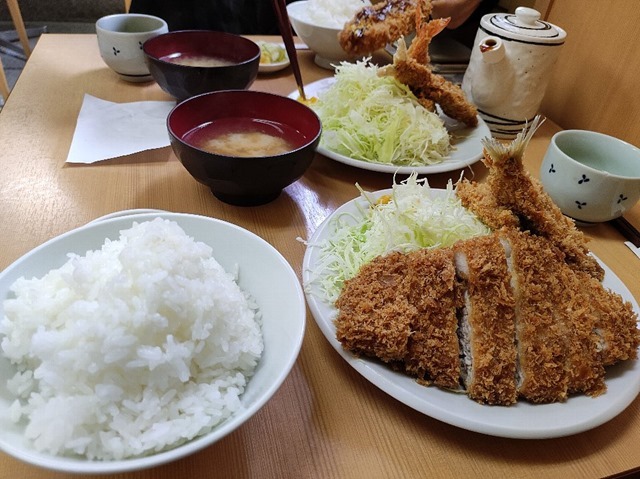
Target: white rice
{"x":333,"y":13}
{"x":131,"y":349}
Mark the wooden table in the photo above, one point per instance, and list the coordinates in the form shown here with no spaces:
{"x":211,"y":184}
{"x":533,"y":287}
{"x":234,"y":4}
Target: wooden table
{"x":326,"y":420}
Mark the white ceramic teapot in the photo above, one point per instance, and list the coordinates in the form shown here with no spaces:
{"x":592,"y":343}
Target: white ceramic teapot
{"x":510,"y":67}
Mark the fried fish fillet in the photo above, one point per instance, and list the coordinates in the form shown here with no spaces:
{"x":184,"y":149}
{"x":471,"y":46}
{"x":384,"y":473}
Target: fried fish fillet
{"x":511,"y":196}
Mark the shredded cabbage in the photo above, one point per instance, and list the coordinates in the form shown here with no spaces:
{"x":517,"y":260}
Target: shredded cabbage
{"x":378,"y":119}
{"x":412,"y":217}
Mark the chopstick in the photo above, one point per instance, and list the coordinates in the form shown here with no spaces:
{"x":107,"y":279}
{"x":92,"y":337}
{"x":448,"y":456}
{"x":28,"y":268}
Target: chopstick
{"x":287,"y":36}
{"x":627,"y":230}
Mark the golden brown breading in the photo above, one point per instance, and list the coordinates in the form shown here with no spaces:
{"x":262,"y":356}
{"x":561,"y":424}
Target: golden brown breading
{"x":373,"y":27}
{"x":427,"y":85}
{"x":530,"y":326}
{"x":477,"y":198}
{"x":540,"y":337}
{"x":490,"y":313}
{"x":616,"y":323}
{"x":400,"y":308}
{"x":375,"y":315}
{"x":584,"y":357}
{"x":433,"y":353}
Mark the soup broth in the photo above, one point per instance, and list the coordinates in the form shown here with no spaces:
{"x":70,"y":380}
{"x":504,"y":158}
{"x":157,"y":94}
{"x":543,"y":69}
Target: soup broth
{"x":245,"y":137}
{"x":197,"y":60}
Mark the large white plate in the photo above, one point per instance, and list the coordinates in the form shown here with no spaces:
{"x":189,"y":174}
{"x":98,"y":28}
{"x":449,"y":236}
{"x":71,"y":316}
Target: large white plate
{"x":263,"y":273}
{"x":466,"y":142}
{"x":522,"y":420}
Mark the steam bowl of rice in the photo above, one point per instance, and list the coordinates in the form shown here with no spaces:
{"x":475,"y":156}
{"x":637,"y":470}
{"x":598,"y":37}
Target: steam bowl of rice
{"x":246,"y":146}
{"x":141,"y":338}
{"x":186,"y":63}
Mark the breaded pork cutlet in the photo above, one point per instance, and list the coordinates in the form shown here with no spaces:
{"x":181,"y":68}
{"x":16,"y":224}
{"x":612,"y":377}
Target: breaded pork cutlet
{"x":400,"y":308}
{"x":578,"y":327}
{"x":487,"y":321}
{"x":541,"y":337}
{"x":574,"y":307}
{"x":374,"y":26}
{"x":502,"y":315}
{"x":375,"y":315}
{"x":433,"y":354}
{"x":615,"y":324}
{"x":513,"y":189}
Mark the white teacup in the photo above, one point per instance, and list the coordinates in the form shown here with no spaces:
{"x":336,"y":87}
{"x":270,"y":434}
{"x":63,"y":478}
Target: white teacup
{"x":120,"y":39}
{"x":592,"y":177}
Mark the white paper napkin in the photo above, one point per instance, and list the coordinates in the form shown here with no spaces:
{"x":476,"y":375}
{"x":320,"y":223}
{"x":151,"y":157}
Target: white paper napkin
{"x":108,"y":130}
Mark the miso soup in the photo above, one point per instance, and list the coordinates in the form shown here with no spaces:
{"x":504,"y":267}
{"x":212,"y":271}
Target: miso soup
{"x":197,"y":60}
{"x":245,"y":137}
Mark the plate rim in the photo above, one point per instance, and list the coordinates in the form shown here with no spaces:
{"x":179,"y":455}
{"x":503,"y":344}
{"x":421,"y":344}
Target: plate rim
{"x":394,"y":383}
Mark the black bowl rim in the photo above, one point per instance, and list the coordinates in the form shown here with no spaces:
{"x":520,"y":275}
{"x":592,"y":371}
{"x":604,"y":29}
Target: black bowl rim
{"x":246,"y":92}
{"x":184,"y":32}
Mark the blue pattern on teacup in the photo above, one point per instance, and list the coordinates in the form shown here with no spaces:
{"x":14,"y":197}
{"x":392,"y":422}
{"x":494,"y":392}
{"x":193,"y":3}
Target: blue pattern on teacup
{"x":584,"y":179}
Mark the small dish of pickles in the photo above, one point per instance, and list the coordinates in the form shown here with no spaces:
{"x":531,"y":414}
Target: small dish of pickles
{"x":273,"y":57}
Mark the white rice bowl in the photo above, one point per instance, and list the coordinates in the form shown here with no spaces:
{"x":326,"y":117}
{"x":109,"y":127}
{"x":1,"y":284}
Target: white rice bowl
{"x":262,"y":273}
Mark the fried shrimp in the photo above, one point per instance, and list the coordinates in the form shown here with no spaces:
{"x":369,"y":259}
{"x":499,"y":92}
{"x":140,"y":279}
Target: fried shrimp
{"x":411,"y":67}
{"x":375,"y":26}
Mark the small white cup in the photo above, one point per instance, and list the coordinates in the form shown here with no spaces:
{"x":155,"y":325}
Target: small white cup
{"x":120,"y":40}
{"x":592,"y":177}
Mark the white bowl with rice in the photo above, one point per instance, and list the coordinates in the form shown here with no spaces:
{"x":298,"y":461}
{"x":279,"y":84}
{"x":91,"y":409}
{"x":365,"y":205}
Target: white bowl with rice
{"x":318,"y":23}
{"x":158,"y":343}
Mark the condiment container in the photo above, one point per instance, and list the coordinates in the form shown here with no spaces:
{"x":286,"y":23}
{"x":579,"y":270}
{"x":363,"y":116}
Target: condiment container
{"x":510,"y":67}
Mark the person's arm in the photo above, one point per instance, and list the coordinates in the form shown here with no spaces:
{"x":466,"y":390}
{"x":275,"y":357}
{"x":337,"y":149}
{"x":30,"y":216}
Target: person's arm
{"x":458,"y":10}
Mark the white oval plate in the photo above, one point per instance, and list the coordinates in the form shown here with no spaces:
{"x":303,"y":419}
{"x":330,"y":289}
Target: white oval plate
{"x":466,"y":143}
{"x":263,"y":272}
{"x":522,"y":420}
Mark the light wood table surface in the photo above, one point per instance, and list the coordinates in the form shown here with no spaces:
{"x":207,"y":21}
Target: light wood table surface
{"x":326,"y":420}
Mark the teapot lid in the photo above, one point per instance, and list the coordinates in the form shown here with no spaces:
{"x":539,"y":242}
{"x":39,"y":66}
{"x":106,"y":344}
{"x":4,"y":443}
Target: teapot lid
{"x":524,"y":26}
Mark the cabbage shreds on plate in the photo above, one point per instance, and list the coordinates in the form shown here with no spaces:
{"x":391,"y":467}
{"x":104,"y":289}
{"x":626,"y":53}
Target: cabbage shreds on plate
{"x":378,"y":119}
{"x":413,"y":216}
